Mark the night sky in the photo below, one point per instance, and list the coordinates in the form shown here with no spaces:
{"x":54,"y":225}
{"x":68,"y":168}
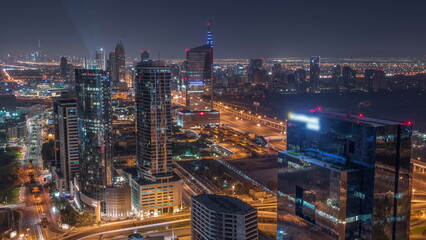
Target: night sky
{"x":241,"y":29}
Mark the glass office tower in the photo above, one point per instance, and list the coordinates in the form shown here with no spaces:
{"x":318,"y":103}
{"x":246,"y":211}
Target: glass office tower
{"x":198,"y":82}
{"x":344,"y":177}
{"x":198,"y":78}
{"x":94,"y":131}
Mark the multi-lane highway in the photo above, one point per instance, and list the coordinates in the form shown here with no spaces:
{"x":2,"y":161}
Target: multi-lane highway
{"x":248,"y":126}
{"x":181,"y":231}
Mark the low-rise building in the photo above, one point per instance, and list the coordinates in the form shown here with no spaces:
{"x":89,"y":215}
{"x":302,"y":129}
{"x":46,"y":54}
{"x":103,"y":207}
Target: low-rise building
{"x":191,"y":119}
{"x":152,"y":198}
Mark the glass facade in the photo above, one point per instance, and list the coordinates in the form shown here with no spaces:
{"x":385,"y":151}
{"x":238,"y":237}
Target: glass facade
{"x":198,"y":68}
{"x":344,"y":177}
{"x":154,"y":122}
{"x":94,"y":131}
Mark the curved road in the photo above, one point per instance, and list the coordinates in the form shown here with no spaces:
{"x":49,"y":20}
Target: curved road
{"x":125,"y":226}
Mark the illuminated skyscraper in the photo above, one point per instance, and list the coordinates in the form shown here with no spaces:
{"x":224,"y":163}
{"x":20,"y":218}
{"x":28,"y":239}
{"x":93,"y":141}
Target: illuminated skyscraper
{"x":314,"y":72}
{"x":199,"y":87}
{"x":154,"y":120}
{"x":198,"y":80}
{"x":94,"y":132}
{"x":154,"y":142}
{"x":344,"y":177}
{"x":67,"y":139}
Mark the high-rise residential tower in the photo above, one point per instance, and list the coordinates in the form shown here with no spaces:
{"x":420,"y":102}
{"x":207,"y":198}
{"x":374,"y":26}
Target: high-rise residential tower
{"x":68,"y":139}
{"x":154,"y":142}
{"x":344,"y":177}
{"x":66,"y":164}
{"x":154,"y":120}
{"x":314,"y":72}
{"x":94,"y":131}
{"x":63,"y":96}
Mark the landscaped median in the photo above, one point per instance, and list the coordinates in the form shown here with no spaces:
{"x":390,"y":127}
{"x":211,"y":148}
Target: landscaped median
{"x":9,"y":170}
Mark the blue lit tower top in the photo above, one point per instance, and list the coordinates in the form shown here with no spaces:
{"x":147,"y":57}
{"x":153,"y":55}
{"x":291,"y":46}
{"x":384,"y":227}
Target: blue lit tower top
{"x":209,"y":36}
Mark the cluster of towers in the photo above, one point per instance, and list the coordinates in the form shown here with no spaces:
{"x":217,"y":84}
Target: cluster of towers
{"x":85,"y":122}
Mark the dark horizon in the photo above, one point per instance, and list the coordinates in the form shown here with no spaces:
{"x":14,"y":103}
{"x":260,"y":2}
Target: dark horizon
{"x":241,"y":29}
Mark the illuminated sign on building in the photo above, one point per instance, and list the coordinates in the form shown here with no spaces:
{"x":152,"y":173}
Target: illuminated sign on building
{"x":196,"y":83}
{"x":311,"y":122}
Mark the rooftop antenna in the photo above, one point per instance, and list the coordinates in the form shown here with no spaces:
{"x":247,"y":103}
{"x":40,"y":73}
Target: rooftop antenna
{"x":209,"y":36}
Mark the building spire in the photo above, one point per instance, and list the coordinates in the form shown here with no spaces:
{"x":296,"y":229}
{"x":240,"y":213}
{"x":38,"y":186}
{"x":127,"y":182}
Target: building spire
{"x":209,"y":36}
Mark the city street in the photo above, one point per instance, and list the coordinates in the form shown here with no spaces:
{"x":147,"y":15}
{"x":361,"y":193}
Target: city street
{"x":33,"y":211}
{"x":251,"y":127}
